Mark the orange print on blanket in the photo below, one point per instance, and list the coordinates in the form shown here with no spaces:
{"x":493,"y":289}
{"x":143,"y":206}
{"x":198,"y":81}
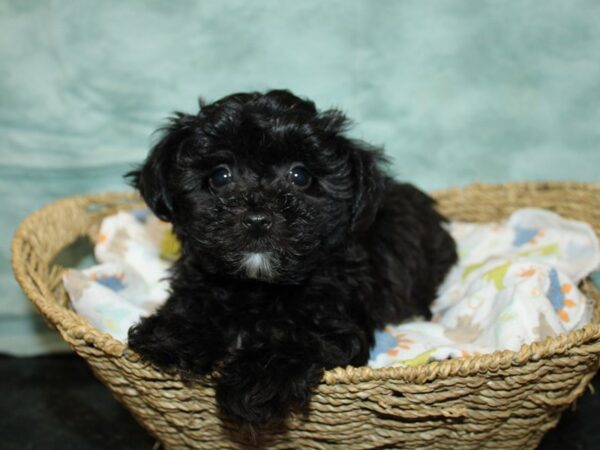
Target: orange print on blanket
{"x":402,"y":343}
{"x":566,"y":288}
{"x":527,"y":272}
{"x":568,"y":303}
{"x":403,"y":340}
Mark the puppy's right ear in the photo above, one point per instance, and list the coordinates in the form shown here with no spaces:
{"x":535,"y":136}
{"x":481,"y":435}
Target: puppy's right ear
{"x":152,"y":177}
{"x":369,"y":184}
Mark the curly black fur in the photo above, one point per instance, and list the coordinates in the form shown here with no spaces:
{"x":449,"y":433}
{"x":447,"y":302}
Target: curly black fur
{"x":279,"y":280}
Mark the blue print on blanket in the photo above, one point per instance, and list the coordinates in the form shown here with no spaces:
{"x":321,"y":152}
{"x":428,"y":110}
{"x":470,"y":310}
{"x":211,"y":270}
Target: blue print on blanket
{"x":554,"y":293}
{"x":524,"y":235}
{"x":383,"y":342}
{"x":141,"y":215}
{"x":113,"y":282}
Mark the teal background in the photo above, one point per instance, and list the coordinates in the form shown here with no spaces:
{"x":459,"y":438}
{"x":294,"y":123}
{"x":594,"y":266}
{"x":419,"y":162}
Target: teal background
{"x":456,"y":91}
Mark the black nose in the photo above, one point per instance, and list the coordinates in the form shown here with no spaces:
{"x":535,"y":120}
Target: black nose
{"x":257,"y":221}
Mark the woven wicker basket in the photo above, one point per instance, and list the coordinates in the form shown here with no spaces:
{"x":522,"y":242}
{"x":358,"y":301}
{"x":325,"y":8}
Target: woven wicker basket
{"x":502,"y":400}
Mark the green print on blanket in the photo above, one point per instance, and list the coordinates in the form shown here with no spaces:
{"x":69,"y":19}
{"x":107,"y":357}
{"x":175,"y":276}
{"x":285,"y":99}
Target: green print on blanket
{"x":497,"y":274}
{"x":471,"y":268}
{"x":420,"y":359}
{"x":547,"y":250}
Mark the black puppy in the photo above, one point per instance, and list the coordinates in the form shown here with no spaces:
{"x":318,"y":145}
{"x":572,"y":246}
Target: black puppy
{"x":296,"y":247}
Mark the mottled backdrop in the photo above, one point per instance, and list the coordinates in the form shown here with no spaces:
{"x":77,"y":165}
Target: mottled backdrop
{"x":456,"y":91}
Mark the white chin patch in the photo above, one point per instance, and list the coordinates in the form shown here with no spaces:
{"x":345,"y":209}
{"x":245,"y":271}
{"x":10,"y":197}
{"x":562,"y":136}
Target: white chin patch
{"x":257,"y":265}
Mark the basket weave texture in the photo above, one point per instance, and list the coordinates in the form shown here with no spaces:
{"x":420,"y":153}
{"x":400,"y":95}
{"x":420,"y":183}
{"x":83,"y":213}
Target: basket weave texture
{"x":501,"y":400}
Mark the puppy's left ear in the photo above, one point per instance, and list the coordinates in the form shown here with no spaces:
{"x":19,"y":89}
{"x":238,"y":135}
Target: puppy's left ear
{"x":369,"y":185}
{"x":152,"y":178}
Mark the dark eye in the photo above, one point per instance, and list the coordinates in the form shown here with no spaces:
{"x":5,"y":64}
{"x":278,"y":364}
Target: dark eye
{"x":220,"y":177}
{"x":299,"y":176}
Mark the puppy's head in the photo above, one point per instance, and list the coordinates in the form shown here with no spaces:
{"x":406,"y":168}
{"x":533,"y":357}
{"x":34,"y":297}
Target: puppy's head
{"x":261,"y":186}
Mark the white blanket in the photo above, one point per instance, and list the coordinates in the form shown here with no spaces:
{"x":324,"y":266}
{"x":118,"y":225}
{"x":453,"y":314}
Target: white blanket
{"x":516,"y":282}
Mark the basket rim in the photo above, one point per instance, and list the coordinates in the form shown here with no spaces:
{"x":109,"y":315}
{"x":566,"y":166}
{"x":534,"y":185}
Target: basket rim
{"x":76,"y":329}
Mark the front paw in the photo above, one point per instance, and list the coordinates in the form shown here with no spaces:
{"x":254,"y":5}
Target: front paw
{"x":172,"y":347}
{"x":256,"y":394}
{"x":153,"y":342}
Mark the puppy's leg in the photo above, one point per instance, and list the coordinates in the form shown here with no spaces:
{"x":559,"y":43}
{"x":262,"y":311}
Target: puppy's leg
{"x":258,"y":387}
{"x":273,"y":374}
{"x":178,"y":338}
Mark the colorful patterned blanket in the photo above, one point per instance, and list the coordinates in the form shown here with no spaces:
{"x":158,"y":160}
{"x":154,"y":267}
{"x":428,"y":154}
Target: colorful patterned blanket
{"x":516,"y":282}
